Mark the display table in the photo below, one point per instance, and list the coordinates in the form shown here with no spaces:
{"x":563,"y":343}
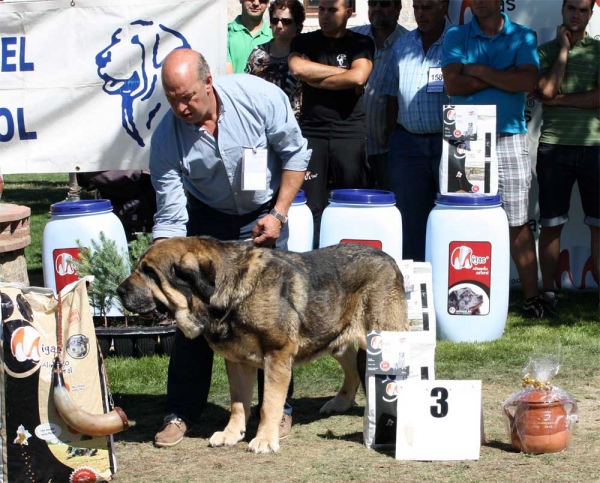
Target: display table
{"x":14,"y":237}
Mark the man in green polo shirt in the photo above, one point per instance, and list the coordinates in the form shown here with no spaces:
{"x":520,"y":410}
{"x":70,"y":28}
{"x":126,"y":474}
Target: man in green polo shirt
{"x":569,"y":148}
{"x":246,"y":32}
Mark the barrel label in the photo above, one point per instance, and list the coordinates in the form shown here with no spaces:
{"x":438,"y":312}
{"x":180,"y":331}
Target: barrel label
{"x":64,"y":267}
{"x":469,"y":278}
{"x":372,"y":243}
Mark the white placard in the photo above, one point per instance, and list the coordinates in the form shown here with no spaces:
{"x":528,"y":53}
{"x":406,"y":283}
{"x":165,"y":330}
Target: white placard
{"x":438,"y":420}
{"x":254,"y":169}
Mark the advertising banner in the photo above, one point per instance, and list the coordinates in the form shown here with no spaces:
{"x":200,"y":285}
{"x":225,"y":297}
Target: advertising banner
{"x":81,"y":87}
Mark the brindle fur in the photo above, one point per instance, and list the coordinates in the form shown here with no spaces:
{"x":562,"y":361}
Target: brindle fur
{"x":270,"y":309}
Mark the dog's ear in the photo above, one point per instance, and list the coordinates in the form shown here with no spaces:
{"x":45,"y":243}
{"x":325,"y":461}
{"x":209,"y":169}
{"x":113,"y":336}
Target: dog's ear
{"x":199,"y":272}
{"x":236,"y":279}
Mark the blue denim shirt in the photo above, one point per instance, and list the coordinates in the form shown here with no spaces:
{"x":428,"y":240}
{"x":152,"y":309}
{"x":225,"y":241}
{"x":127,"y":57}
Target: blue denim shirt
{"x":183,"y":157}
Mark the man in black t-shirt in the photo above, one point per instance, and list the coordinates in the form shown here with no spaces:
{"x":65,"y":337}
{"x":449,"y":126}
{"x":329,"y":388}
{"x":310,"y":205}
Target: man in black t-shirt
{"x":334,"y":65}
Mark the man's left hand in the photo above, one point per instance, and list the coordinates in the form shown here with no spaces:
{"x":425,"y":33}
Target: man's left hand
{"x":266,"y":231}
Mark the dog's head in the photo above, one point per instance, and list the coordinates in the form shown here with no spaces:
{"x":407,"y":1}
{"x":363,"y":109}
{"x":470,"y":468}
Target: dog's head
{"x":465,"y":299}
{"x":130,"y":68}
{"x":193,"y":278}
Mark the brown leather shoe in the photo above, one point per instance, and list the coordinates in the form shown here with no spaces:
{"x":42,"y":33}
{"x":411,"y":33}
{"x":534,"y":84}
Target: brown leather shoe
{"x":171,"y":433}
{"x":285,"y":426}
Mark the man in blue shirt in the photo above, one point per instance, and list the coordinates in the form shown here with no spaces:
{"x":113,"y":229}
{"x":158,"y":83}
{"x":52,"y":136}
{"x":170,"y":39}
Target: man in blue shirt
{"x":197,"y":169}
{"x":491,"y":60}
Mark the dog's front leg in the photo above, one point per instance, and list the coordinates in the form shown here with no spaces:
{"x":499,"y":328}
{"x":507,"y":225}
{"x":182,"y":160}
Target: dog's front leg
{"x":278,"y":372}
{"x":241,"y":381}
{"x":344,"y":399}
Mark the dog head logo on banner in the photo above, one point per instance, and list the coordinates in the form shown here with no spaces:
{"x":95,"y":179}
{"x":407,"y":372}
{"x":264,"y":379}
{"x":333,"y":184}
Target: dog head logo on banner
{"x":146,"y":43}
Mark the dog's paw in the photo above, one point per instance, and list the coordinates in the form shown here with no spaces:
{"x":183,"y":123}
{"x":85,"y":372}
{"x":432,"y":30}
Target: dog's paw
{"x":226,"y":438}
{"x":337,"y":405}
{"x":262,"y":445}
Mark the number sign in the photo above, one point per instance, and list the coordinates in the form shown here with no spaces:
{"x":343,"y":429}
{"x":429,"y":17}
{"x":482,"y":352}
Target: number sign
{"x":439,"y":420}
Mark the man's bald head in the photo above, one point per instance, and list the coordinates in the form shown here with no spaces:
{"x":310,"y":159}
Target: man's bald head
{"x":183,"y":63}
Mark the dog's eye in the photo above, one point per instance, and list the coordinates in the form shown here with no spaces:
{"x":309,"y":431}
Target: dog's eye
{"x":149,"y":271}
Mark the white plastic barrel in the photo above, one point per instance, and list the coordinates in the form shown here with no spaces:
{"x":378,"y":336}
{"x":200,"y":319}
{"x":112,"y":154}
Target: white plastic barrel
{"x":77,"y":220}
{"x":469,"y":251}
{"x":363,"y":216}
{"x":301,"y":226}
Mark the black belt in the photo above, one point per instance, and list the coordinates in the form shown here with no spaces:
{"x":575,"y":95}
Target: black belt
{"x":402,"y":128}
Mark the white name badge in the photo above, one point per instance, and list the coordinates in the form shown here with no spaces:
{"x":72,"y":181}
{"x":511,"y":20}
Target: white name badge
{"x":439,"y":420}
{"x":254,"y":169}
{"x":435,"y":80}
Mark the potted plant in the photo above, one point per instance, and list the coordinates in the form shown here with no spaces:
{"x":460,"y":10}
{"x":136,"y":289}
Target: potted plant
{"x":109,"y":267}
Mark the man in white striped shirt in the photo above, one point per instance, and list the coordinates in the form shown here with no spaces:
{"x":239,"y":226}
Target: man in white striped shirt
{"x":415,"y":88}
{"x":384,"y":30}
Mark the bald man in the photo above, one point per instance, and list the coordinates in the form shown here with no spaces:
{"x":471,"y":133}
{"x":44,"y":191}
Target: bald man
{"x":202,"y":189}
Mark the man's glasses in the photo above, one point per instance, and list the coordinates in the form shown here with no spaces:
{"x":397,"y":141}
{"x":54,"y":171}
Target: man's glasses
{"x":284,"y":21}
{"x":263,"y":1}
{"x":382,"y":4}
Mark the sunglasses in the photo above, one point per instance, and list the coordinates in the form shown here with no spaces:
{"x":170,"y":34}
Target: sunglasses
{"x":382,"y":4}
{"x":284,"y":21}
{"x":263,"y":1}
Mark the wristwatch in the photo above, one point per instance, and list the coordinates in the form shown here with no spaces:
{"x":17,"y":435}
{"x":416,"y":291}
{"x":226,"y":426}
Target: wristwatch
{"x":282,"y":218}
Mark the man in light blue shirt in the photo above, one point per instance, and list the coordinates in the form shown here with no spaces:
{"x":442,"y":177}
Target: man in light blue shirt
{"x":197,"y":169}
{"x":491,"y":60}
{"x":385,"y":31}
{"x":415,"y":95}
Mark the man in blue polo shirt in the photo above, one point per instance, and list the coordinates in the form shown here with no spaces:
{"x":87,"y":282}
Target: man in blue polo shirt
{"x":491,"y":60}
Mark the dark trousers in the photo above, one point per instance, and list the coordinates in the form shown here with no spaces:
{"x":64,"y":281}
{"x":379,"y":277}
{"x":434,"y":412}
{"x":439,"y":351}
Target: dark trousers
{"x":414,"y":173}
{"x":190,"y":366}
{"x":334,"y":164}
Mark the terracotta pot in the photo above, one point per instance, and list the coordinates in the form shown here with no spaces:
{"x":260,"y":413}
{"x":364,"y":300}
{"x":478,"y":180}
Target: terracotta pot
{"x":539,"y":423}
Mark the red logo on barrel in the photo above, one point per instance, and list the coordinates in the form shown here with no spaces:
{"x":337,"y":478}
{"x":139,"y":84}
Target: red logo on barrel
{"x":64,"y":267}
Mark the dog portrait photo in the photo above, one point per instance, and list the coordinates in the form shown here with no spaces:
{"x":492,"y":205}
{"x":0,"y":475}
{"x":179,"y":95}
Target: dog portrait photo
{"x":270,"y":309}
{"x":465,"y":301}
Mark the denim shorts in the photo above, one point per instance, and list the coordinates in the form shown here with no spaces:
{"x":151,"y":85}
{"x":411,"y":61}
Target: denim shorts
{"x":558,"y":167}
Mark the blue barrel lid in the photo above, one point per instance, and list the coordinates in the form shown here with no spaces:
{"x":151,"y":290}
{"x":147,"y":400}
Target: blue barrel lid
{"x":363,"y":197}
{"x":468,"y":200}
{"x":80,"y":207}
{"x":300,"y":197}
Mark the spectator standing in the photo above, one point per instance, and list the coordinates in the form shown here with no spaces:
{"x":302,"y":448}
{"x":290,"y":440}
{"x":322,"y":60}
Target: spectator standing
{"x":270,"y":60}
{"x":385,"y":31}
{"x":415,"y":97}
{"x":491,"y":60}
{"x":198,"y":149}
{"x":334,"y":64}
{"x":569,"y":148}
{"x":245,"y":32}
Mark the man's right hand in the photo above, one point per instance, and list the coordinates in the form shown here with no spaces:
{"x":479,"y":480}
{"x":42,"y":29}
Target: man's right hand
{"x":563,"y":36}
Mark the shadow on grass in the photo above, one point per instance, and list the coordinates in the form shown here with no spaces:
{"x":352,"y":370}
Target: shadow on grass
{"x":502,"y":446}
{"x":148,"y":412}
{"x":573,"y":308}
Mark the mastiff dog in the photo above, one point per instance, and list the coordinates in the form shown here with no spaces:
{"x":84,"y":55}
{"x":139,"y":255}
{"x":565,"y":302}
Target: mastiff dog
{"x":270,"y":309}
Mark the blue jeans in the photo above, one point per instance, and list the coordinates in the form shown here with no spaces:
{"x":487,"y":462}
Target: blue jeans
{"x":190,"y":366}
{"x":414,"y":173}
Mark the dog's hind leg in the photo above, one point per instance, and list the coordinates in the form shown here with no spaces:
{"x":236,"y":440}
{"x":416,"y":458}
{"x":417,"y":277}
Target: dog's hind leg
{"x":278,"y":373}
{"x":241,"y":382}
{"x":344,"y":399}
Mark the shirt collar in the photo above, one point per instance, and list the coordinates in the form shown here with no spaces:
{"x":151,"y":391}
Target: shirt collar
{"x":507,"y":29}
{"x":237,"y":25}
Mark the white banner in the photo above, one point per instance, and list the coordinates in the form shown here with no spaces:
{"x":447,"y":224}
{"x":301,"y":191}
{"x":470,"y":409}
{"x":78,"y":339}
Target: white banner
{"x":575,"y":263}
{"x":80,"y":86}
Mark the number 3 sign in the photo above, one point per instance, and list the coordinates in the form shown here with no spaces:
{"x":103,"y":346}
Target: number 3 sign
{"x":439,"y":420}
